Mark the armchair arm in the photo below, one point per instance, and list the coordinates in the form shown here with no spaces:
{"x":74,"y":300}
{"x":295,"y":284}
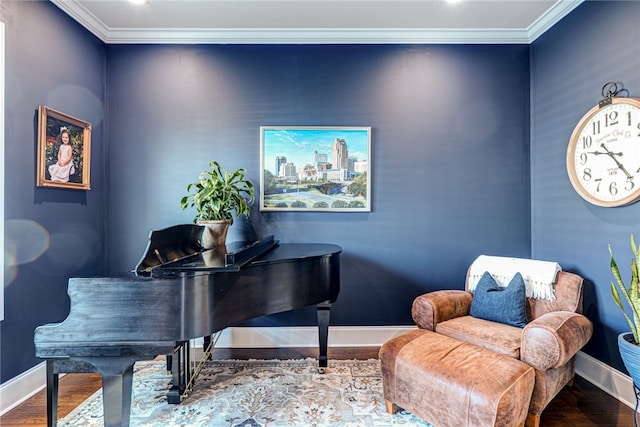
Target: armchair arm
{"x":429,"y":309}
{"x":554,"y":338}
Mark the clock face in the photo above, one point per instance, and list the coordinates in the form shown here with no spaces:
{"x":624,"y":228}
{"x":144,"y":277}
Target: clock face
{"x":603,"y":156}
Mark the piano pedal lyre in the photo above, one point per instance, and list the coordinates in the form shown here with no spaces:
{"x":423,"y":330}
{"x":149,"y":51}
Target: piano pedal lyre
{"x":185,"y":371}
{"x":180,"y":371}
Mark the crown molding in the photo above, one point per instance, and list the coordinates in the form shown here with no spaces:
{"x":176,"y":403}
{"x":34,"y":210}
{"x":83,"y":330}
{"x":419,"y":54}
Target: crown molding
{"x":315,"y":35}
{"x":88,"y":20}
{"x":551,"y":18}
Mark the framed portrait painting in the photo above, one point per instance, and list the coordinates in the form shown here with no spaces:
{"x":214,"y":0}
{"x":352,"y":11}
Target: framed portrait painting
{"x":64,"y":150}
{"x":308,"y":168}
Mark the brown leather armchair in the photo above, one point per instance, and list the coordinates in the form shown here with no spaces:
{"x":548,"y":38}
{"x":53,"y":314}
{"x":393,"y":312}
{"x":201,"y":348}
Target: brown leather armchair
{"x":556,"y":331}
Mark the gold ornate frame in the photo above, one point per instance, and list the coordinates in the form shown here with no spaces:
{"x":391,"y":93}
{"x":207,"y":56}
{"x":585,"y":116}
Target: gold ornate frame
{"x":51,"y":123}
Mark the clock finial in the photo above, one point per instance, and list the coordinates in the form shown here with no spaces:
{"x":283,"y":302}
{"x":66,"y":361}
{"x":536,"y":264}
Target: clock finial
{"x":609,"y":90}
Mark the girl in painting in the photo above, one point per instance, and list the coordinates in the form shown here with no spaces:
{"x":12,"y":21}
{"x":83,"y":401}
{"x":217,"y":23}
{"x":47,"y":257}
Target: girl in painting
{"x":61,"y":170}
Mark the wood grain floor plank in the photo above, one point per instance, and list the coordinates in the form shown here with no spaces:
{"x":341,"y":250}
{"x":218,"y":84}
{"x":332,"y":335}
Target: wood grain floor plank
{"x":579,"y":405}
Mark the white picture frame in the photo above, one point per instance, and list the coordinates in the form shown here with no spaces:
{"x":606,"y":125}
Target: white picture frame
{"x":315,"y":168}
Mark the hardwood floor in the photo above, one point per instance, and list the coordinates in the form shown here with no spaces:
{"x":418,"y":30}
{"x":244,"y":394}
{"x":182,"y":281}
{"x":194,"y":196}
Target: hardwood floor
{"x":579,"y":405}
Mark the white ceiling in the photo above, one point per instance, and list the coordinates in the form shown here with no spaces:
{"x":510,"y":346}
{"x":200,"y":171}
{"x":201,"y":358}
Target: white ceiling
{"x":318,"y":21}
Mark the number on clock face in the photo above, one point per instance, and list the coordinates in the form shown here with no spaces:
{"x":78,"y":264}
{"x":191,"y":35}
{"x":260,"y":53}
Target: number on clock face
{"x":604,"y":154}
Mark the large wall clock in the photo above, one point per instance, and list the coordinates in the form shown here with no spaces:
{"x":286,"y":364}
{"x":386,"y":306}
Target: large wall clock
{"x":603,"y":156}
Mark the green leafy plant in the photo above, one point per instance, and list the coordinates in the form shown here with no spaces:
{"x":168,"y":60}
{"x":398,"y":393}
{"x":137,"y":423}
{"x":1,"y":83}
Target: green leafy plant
{"x":219,"y":195}
{"x":632,"y":293}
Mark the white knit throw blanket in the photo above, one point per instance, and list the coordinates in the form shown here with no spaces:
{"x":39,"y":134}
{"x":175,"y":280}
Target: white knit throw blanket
{"x":539,"y":276}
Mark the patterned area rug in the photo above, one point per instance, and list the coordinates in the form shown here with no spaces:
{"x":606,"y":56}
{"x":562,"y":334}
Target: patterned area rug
{"x":258,"y":393}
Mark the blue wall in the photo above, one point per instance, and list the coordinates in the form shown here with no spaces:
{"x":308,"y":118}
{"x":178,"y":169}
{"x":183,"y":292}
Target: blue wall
{"x":450,"y":164}
{"x":596,"y":43}
{"x":51,"y":233}
{"x":451,"y":157}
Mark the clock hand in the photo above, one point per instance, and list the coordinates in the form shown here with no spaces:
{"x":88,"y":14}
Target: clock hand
{"x":620,"y":166}
{"x":610,"y":153}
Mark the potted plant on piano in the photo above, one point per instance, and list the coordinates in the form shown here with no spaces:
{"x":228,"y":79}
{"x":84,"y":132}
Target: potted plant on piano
{"x":629,"y":342}
{"x":218,"y":196}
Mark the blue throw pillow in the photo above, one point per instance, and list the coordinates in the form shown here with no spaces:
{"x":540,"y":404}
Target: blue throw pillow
{"x":505,"y":305}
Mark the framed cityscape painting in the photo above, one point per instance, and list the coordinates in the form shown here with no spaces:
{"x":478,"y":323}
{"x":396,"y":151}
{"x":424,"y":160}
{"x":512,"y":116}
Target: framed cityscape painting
{"x":315,"y":169}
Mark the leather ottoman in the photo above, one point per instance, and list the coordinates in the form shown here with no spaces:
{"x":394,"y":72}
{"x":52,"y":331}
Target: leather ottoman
{"x":450,"y":383}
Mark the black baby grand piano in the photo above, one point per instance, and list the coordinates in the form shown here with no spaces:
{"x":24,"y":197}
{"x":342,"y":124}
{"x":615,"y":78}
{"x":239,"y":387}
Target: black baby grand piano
{"x":180,"y":292}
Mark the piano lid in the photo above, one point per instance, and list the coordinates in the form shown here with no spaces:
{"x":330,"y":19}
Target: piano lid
{"x":178,"y":249}
{"x":170,"y":244}
{"x":230,"y":257}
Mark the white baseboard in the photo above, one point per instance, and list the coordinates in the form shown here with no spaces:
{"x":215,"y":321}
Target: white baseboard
{"x":613,"y":382}
{"x":606,"y":378}
{"x":20,"y":388}
{"x":307,"y":336}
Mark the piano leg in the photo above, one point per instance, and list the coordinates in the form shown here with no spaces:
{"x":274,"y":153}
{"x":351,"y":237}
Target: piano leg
{"x":116,"y":395}
{"x":52,"y":395}
{"x":55,"y":367}
{"x":117,"y":385}
{"x":323,"y":333}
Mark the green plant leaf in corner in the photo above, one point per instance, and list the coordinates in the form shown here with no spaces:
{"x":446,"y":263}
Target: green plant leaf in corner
{"x":631,"y":294}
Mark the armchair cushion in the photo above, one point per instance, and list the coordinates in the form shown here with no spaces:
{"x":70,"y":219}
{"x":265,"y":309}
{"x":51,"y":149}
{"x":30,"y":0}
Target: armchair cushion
{"x":498,"y":337}
{"x":506,"y":305}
